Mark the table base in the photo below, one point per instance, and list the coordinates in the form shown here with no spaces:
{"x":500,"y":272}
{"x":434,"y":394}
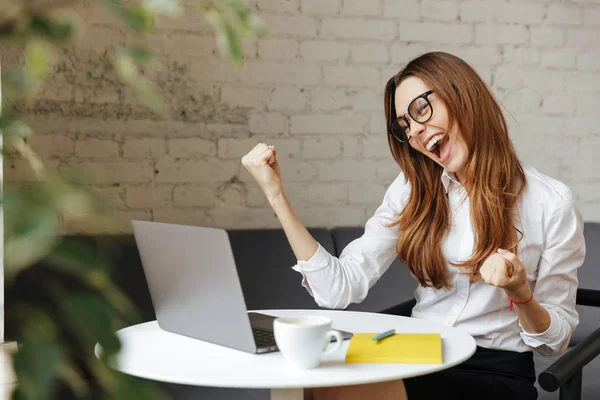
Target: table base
{"x":287,"y":394}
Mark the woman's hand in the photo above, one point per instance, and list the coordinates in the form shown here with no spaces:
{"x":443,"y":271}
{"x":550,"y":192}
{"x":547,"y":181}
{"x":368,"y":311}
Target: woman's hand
{"x":262,"y":164}
{"x":504,"y":269}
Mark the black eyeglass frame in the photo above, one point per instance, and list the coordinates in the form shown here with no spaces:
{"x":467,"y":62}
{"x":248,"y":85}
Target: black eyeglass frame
{"x":403,"y":117}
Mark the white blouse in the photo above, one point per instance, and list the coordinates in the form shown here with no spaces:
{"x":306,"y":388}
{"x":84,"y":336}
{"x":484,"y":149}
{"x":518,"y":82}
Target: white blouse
{"x":552,"y":249}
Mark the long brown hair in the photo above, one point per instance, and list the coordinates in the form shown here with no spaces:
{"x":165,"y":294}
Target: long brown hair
{"x":494,"y":176}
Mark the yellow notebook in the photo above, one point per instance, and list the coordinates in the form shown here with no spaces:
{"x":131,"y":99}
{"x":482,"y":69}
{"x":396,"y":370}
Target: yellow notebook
{"x":401,"y":348}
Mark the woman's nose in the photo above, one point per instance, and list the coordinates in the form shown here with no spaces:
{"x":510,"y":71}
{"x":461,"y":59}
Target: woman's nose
{"x":416,"y":128}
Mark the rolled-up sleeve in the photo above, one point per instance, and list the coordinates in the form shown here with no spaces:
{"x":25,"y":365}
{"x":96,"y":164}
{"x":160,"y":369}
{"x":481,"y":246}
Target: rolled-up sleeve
{"x":336,"y":282}
{"x":556,"y":284}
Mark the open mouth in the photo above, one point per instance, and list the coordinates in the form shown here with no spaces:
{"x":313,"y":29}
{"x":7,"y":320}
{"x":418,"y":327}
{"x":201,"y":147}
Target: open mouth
{"x":435,"y":144}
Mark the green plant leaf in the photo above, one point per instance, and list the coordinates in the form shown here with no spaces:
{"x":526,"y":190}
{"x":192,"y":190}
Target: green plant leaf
{"x":228,"y":42}
{"x":247,"y":23}
{"x":138,"y":17}
{"x":38,"y":323}
{"x":129,"y":387}
{"x":18,"y":79}
{"x":128,"y":71}
{"x":170,"y":7}
{"x":71,"y":376}
{"x":39,"y":57}
{"x":32,"y":214}
{"x":52,"y":29}
{"x":149,"y":93}
{"x":37,"y":366}
{"x":73,"y":200}
{"x":91,"y":320}
{"x":31,"y":228}
{"x":35,"y":240}
{"x":257,"y":25}
{"x":81,"y":261}
{"x":77,"y":258}
{"x":138,"y":53}
{"x":32,"y":218}
{"x":15,"y":128}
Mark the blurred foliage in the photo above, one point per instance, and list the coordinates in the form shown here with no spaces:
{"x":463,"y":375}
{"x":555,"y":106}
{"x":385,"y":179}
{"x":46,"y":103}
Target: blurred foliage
{"x":74,"y":305}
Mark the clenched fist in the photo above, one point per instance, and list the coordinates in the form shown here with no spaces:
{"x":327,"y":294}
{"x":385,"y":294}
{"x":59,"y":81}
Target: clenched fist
{"x":262,"y":164}
{"x":504,"y":269}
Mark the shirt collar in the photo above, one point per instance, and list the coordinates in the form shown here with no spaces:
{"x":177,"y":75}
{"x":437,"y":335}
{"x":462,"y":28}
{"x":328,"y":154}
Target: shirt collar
{"x":448,"y":177}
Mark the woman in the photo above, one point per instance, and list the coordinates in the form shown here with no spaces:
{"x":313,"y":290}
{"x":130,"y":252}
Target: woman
{"x":494,"y":246}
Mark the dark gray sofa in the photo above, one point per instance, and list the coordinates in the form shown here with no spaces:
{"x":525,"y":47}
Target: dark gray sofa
{"x":264,"y":260}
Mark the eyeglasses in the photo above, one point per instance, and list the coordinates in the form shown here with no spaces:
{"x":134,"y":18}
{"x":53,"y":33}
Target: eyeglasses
{"x":420,"y":110}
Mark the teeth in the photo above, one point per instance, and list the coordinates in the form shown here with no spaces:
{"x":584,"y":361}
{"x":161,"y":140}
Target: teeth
{"x":433,"y":141}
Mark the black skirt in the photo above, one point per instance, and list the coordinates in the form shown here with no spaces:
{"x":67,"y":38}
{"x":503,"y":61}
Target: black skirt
{"x":489,"y":374}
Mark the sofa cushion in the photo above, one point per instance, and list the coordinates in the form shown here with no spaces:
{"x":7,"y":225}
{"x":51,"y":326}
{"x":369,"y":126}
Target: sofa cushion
{"x":31,"y":287}
{"x":395,"y":286}
{"x":264,"y":259}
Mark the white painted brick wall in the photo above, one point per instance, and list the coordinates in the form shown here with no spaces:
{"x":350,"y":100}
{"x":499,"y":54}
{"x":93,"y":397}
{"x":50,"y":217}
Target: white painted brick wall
{"x":53,"y":145}
{"x":351,"y":76}
{"x":194,"y":196}
{"x":280,"y":6}
{"x":144,"y":148}
{"x":320,"y":7}
{"x":547,"y":36}
{"x":298,"y":26}
{"x":589,"y":61}
{"x":322,"y":148}
{"x":358,"y":28}
{"x":96,"y":148}
{"x":314,"y":89}
{"x":278,"y":49}
{"x":322,"y":50}
{"x":325,"y":123}
{"x":282,"y":74}
{"x":361,"y":8}
{"x":370,"y":53}
{"x":440,"y":10}
{"x":592,"y":17}
{"x":191,"y":148}
{"x":148,"y":196}
{"x":564,"y":15}
{"x":267,"y":123}
{"x":563,"y":58}
{"x":288,"y":98}
{"x":329,"y":99}
{"x":520,"y":12}
{"x":501,"y":34}
{"x":435,"y":32}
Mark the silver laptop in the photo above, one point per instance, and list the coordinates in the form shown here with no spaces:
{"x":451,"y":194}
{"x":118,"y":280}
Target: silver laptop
{"x":195,"y":288}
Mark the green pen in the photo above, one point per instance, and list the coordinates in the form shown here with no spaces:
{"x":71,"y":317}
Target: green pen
{"x":383,"y":335}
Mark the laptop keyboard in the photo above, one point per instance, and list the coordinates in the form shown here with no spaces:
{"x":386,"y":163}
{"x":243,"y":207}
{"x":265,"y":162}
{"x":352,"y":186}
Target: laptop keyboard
{"x":263,"y":338}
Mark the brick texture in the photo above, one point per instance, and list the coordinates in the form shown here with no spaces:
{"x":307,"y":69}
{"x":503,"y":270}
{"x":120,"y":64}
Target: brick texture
{"x":313,"y":89}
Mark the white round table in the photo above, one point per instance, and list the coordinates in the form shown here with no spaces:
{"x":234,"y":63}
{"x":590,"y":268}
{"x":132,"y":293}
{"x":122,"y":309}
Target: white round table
{"x":152,"y":353}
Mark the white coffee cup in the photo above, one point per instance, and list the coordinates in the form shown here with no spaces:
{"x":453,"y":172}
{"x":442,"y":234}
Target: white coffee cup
{"x":304,"y":339}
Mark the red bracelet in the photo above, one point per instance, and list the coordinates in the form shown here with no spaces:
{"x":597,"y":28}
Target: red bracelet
{"x":512,"y":302}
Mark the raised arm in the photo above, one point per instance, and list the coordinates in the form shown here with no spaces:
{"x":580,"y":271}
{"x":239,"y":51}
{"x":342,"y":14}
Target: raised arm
{"x":333,"y":282}
{"x":262,"y":164}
